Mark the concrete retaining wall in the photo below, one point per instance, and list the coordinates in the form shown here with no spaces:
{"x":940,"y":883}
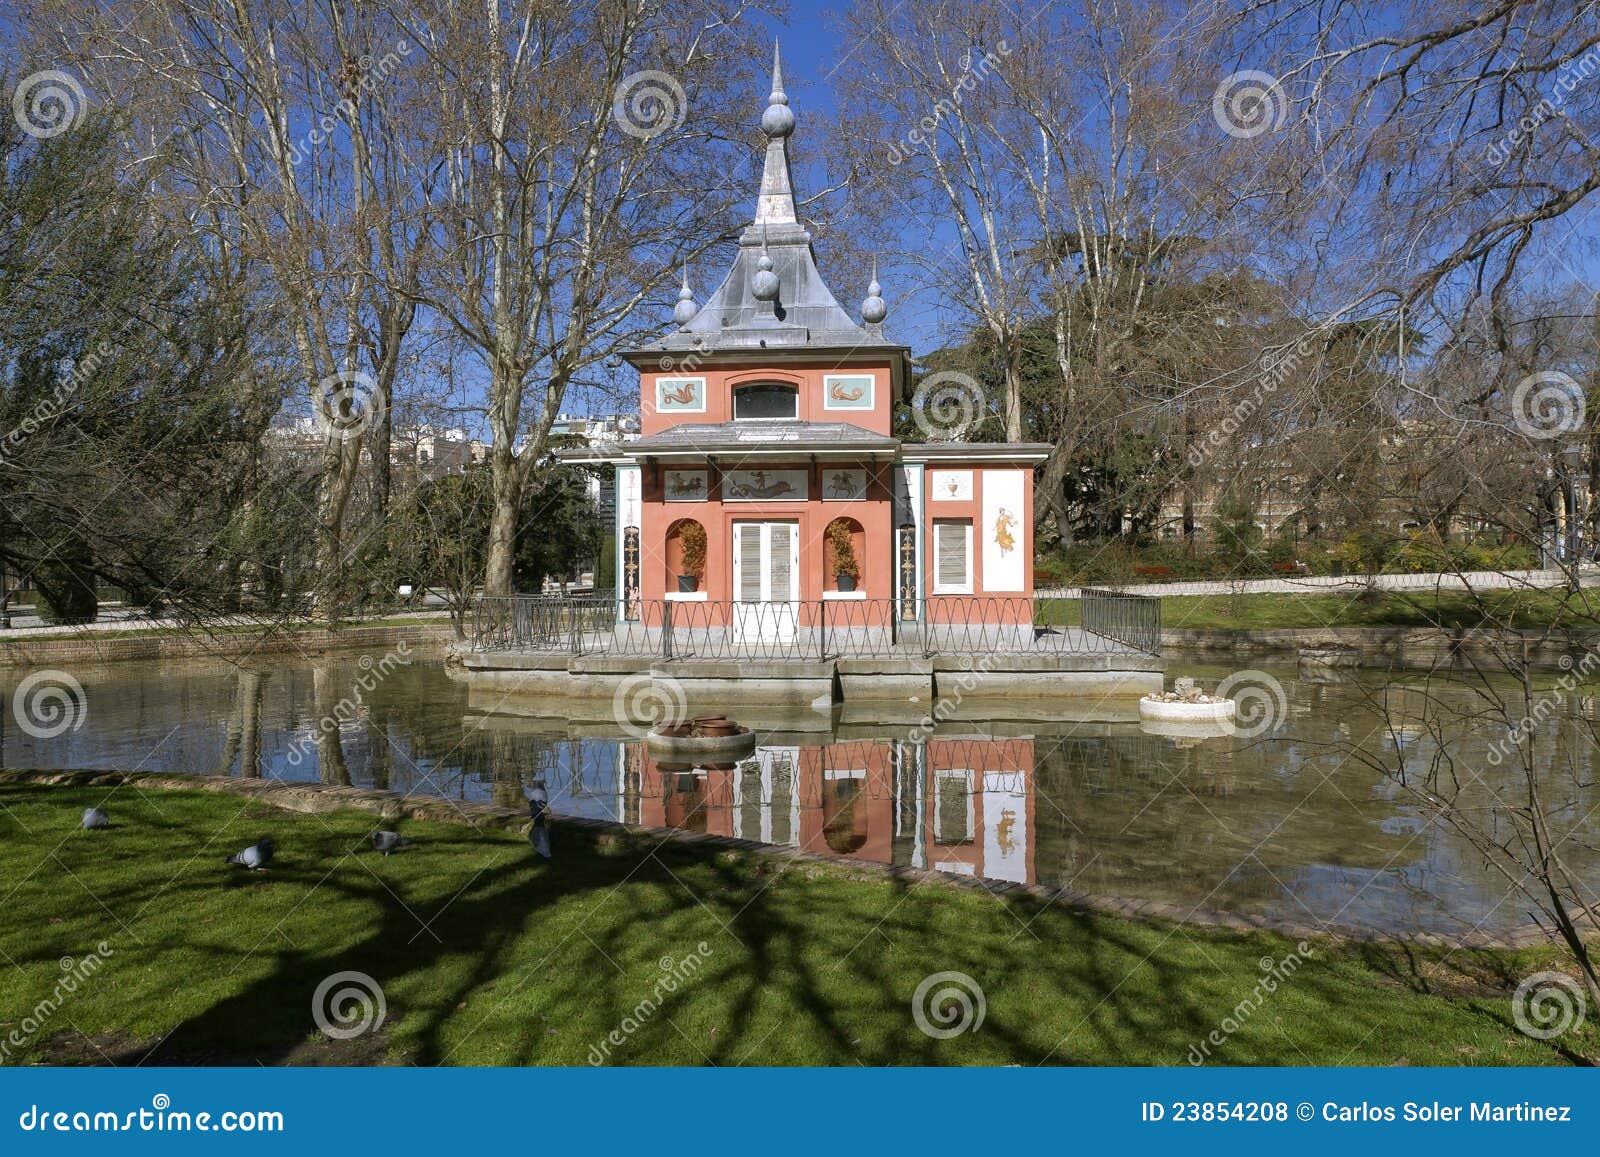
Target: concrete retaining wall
{"x":106,"y":647}
{"x":1381,"y":647}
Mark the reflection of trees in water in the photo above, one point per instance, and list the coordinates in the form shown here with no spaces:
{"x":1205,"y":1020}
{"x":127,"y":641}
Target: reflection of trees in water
{"x":1135,"y":815}
{"x":325,"y":697}
{"x":243,"y":737}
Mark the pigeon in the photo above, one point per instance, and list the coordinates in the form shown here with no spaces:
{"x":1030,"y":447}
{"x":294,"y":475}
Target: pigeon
{"x":387,"y":842}
{"x":93,"y":817}
{"x":538,"y":809}
{"x":256,"y":856}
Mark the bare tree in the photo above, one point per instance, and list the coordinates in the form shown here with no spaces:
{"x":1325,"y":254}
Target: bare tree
{"x":580,"y":143}
{"x":289,"y":154}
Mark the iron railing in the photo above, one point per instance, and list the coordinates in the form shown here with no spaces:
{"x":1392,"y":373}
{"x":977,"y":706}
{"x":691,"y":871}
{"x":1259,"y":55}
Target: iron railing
{"x":1096,"y":622}
{"x":1134,"y":620}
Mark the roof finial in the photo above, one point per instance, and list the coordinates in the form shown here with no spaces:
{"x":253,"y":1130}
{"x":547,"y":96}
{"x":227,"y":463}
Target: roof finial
{"x":873,"y":309}
{"x":764,"y":286}
{"x":778,"y":120}
{"x":683,"y":313}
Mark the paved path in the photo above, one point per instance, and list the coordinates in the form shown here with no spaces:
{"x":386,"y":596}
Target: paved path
{"x":1352,"y":584}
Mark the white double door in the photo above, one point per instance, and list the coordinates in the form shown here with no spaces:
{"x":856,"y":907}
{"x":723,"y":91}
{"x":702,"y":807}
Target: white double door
{"x":766,"y":581}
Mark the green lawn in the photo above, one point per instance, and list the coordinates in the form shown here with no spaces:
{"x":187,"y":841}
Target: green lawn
{"x":1527,"y":610}
{"x":487,"y":955}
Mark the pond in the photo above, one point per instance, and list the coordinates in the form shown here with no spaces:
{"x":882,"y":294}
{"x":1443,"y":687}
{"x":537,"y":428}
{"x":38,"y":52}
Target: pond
{"x":1284,"y":825}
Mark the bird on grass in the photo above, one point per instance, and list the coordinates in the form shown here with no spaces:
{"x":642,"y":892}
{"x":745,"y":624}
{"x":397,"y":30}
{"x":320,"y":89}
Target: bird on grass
{"x":256,"y":856}
{"x":93,"y":817}
{"x":387,"y":842}
{"x":538,"y":810}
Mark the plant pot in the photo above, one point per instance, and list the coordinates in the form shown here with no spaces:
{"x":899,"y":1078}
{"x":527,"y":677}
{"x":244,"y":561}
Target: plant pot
{"x":688,"y":583}
{"x":847,"y":582}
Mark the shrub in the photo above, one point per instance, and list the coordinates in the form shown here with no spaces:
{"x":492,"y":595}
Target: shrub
{"x":693,"y":538}
{"x":844,"y":553}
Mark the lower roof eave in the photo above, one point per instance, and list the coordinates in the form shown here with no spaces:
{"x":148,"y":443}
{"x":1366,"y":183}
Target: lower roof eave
{"x":1030,"y":452}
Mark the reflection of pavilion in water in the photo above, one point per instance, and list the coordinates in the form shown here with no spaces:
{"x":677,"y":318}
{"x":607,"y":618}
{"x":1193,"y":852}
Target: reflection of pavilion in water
{"x":956,"y":805}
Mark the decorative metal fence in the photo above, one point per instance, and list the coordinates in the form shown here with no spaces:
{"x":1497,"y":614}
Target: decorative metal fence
{"x":1097,"y":622}
{"x":1133,"y":620}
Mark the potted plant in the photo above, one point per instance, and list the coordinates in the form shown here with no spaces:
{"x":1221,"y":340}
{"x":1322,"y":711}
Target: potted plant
{"x":845,"y":570}
{"x":693,"y":540}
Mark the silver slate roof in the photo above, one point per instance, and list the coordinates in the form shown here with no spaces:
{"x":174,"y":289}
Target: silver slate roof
{"x":804,"y":314}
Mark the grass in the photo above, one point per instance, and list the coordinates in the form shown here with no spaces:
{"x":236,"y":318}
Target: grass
{"x":487,"y":955}
{"x":1526,"y":610}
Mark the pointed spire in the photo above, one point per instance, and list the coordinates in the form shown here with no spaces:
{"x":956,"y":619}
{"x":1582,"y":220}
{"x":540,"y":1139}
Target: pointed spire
{"x":776,"y":204}
{"x":683,"y":313}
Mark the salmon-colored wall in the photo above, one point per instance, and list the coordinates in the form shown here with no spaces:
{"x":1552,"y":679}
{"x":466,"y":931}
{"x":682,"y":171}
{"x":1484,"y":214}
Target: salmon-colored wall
{"x":875,"y":514}
{"x":1001,"y":606}
{"x":720,"y":384}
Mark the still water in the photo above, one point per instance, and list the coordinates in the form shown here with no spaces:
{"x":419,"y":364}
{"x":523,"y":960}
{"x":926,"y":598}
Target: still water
{"x":1285,"y":825}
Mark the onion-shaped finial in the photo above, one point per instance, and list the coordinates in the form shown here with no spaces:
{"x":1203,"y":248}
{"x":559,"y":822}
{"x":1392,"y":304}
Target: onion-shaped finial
{"x":873,"y":309}
{"x":778,"y":120}
{"x":765,"y":283}
{"x":683,"y":313}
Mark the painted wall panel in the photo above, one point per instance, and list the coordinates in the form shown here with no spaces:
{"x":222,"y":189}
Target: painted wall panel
{"x":1004,"y":531}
